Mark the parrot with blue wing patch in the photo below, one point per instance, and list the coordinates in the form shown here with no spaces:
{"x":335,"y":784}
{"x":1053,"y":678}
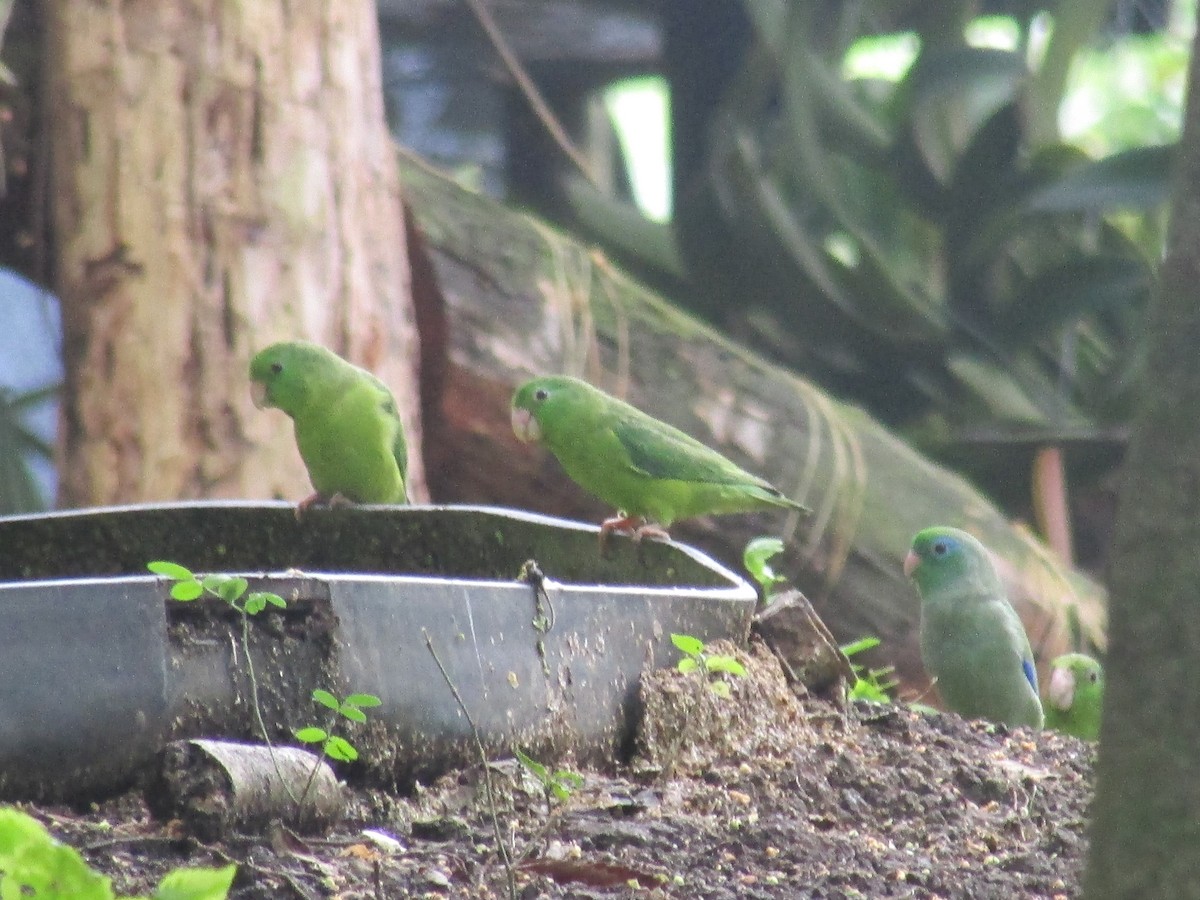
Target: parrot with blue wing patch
{"x":972,"y":641}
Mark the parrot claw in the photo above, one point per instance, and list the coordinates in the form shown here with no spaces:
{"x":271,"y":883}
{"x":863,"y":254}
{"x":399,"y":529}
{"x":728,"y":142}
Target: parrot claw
{"x":635,"y":527}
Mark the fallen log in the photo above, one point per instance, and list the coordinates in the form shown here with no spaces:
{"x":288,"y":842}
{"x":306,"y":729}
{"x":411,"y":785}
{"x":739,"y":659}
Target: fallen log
{"x":502,"y":297}
{"x":220,"y":787}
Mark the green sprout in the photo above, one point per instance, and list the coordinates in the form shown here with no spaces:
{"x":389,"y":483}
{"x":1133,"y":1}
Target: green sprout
{"x":695,"y":659}
{"x":870,"y":685}
{"x":556,"y":786}
{"x":333,"y":745}
{"x":756,"y":558}
{"x":230,"y":588}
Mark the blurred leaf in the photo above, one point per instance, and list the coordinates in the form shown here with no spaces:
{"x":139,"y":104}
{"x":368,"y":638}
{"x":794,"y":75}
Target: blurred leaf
{"x":1134,"y":179}
{"x":19,"y":490}
{"x":1078,"y":287}
{"x":950,"y":93}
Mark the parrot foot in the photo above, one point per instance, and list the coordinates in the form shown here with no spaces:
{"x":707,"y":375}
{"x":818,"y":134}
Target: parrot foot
{"x":319,"y":499}
{"x":636,"y":527}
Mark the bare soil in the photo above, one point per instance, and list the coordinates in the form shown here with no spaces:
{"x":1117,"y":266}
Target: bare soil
{"x":759,"y":794}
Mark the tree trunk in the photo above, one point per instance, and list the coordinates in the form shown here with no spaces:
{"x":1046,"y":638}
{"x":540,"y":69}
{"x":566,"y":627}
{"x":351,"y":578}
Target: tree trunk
{"x":504,"y":297}
{"x":1147,"y":810}
{"x":222,"y":178}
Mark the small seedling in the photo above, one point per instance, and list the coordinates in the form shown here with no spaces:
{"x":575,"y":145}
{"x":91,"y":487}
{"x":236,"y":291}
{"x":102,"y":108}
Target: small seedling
{"x":870,"y":685}
{"x":756,"y":558}
{"x":695,"y":659}
{"x":230,"y":588}
{"x":559,"y":785}
{"x":332,"y":745}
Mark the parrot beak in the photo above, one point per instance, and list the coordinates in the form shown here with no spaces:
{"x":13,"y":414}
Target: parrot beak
{"x":524,"y":425}
{"x":258,"y":393}
{"x":911,"y":561}
{"x":1061,"y":690}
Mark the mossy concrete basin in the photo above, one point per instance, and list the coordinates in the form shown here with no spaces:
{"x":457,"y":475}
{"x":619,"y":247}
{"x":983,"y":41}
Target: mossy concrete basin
{"x":98,"y":667}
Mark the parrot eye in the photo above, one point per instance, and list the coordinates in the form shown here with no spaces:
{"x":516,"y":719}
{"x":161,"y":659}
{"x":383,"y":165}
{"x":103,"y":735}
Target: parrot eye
{"x":940,"y":548}
{"x":540,"y":394}
{"x":276,"y":368}
{"x":1092,"y":677}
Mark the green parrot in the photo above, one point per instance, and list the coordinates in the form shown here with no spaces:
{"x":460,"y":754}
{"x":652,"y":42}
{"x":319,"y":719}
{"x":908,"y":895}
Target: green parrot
{"x":347,"y":427}
{"x":972,"y":641}
{"x":1074,"y":696}
{"x":651,"y":472}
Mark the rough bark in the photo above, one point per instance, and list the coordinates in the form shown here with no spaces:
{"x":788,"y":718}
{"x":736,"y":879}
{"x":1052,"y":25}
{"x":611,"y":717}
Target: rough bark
{"x":504,"y":297}
{"x":222,"y":178}
{"x":1147,"y":808}
{"x":219,"y":787}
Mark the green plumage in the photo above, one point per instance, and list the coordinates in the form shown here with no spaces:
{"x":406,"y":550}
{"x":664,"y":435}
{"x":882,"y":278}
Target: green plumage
{"x":643,"y":467}
{"x":972,"y":641}
{"x":1075,"y":696}
{"x":347,"y":426}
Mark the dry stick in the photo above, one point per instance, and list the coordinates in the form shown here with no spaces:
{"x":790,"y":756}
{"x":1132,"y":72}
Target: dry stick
{"x":530,"y":90}
{"x":510,"y":873}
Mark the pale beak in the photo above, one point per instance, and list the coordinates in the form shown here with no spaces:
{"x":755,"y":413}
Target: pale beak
{"x":910,"y":563}
{"x":1061,"y":690}
{"x":524,"y":425}
{"x":258,"y":393}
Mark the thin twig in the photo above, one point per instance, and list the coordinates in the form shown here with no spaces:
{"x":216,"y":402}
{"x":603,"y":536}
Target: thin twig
{"x":527,"y":87}
{"x":502,"y":848}
{"x":262,"y":726}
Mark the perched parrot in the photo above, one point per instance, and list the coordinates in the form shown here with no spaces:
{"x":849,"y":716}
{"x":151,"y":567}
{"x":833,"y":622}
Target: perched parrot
{"x":651,"y":472}
{"x":972,"y":642}
{"x":1075,"y":695}
{"x":347,"y":427}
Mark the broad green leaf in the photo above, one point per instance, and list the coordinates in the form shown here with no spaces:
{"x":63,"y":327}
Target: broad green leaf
{"x":353,"y":713}
{"x":340,"y":749}
{"x":688,"y":644}
{"x":170,"y":570}
{"x":187,"y":590}
{"x":537,"y":769}
{"x":688,"y":664}
{"x":326,"y":699}
{"x":366,"y":701}
{"x":311,"y":735}
{"x":196,"y":884}
{"x":255,"y":603}
{"x":34,"y":865}
{"x":232,"y":588}
{"x":724,"y":664}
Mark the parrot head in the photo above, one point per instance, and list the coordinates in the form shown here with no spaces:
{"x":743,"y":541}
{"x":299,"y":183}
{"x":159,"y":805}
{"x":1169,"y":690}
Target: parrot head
{"x":940,"y":553}
{"x":1070,"y":673}
{"x":545,"y":400}
{"x":279,"y":374}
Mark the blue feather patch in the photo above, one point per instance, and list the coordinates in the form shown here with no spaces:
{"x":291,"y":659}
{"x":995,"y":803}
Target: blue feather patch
{"x":1030,"y":674}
